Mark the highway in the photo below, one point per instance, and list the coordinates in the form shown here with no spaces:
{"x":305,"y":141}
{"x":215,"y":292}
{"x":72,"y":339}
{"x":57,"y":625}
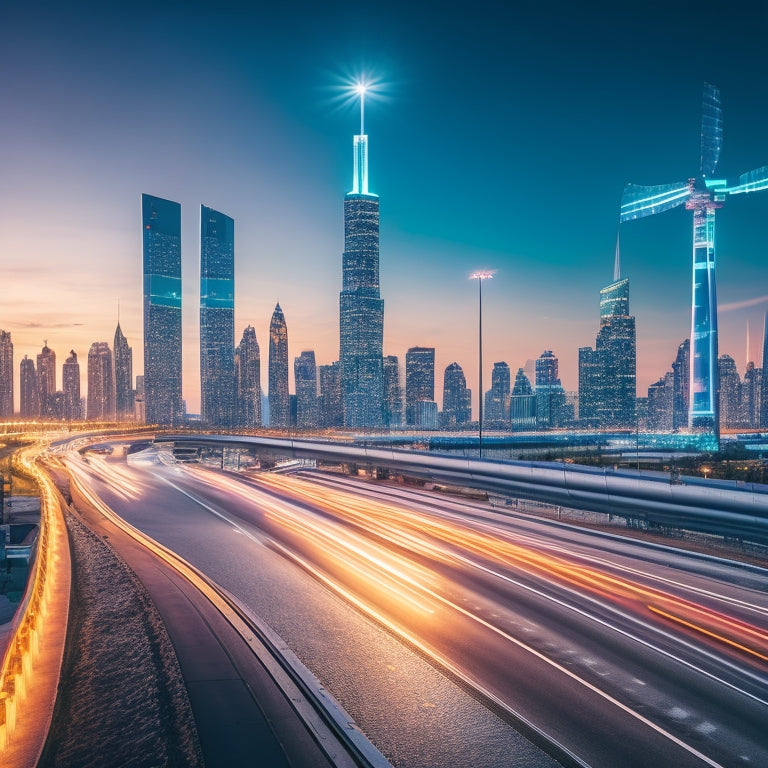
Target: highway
{"x":602,"y":651}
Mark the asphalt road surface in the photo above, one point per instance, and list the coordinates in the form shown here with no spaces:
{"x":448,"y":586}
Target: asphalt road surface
{"x":447,"y":628}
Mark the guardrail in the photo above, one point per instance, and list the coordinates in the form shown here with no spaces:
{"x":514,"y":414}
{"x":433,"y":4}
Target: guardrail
{"x":719,"y":507}
{"x":32,"y":659}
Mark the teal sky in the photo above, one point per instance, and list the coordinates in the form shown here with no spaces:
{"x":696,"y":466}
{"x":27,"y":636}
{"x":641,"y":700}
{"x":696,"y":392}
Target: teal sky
{"x":501,"y":138}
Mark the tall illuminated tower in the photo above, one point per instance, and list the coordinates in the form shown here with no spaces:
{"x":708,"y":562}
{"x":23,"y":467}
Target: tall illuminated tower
{"x":279,"y":398}
{"x":248,"y":378}
{"x":123,"y":375}
{"x":161,"y":226}
{"x":6,"y":375}
{"x":70,"y":384}
{"x":361,"y":310}
{"x":217,"y":318}
{"x":101,"y":384}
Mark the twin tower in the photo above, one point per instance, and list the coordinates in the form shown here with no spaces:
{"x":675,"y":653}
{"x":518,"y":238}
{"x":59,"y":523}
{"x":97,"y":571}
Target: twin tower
{"x":361,"y":309}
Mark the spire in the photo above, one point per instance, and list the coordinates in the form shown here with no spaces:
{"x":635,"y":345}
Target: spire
{"x":617,"y":262}
{"x":360,"y":146}
{"x":747,"y":360}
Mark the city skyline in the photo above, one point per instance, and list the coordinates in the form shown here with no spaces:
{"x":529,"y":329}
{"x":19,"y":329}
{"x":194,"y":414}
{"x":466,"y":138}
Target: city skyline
{"x":545,"y":273}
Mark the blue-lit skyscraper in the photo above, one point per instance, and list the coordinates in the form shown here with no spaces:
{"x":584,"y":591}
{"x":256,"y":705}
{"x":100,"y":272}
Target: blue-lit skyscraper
{"x":361,"y":310}
{"x":217,"y":318}
{"x":161,"y":226}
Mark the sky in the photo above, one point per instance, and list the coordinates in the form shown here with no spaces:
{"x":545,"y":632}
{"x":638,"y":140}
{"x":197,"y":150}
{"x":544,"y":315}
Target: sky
{"x":500,"y":134}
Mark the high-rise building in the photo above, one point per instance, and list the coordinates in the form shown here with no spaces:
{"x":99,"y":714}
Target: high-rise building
{"x":660,"y":410}
{"x":729,"y":392}
{"x":497,"y":397}
{"x":457,"y":408}
{"x":46,"y":379}
{"x":361,"y":309}
{"x":124,"y":394}
{"x":330,"y":414}
{"x":607,"y":374}
{"x":305,"y":377}
{"x":279,"y":398}
{"x":681,"y":385}
{"x":29,"y":389}
{"x":750,"y":396}
{"x":551,"y":410}
{"x":217,"y":318}
{"x":161,"y":226}
{"x":393,"y":393}
{"x":6,"y":375}
{"x":248,"y":376}
{"x":590,"y":377}
{"x":101,"y":384}
{"x":764,"y":380}
{"x":419,"y":380}
{"x":139,"y":403}
{"x":70,"y":384}
{"x":522,"y":403}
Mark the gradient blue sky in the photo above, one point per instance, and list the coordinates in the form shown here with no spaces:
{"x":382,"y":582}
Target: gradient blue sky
{"x":502,"y":139}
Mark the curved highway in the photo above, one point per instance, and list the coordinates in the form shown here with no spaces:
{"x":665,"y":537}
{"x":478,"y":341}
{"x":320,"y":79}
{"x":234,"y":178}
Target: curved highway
{"x":601,"y":651}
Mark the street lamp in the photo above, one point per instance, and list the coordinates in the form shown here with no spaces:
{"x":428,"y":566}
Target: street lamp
{"x":480,"y":276}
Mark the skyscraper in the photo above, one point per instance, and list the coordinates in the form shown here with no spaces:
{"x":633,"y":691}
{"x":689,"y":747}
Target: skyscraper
{"x":305,"y":376}
{"x":393,"y":393}
{"x":522,"y":403}
{"x":764,"y":380}
{"x":46,"y":379}
{"x":361,"y":310}
{"x":29,"y":389}
{"x":607,"y":374}
{"x":124,"y":398}
{"x":750,"y":395}
{"x":456,"y":397}
{"x":330,"y":414}
{"x":101,"y":384}
{"x":248,"y":375}
{"x":6,"y":375}
{"x":279,"y":399}
{"x":217,"y":318}
{"x":70,"y":384}
{"x":419,"y":380}
{"x":497,"y":397}
{"x":550,"y":396}
{"x":161,"y":223}
{"x":729,"y":393}
{"x":681,"y":385}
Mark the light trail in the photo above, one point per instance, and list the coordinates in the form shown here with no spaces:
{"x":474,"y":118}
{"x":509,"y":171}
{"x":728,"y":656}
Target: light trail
{"x":378,"y":519}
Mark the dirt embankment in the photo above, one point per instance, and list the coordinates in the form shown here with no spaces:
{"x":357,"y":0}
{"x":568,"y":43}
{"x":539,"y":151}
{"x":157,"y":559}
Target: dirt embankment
{"x":122,"y":699}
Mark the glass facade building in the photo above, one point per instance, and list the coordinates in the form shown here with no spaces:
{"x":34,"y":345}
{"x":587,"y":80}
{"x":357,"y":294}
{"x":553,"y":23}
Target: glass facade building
{"x":457,"y":410}
{"x":161,"y":226}
{"x":279,"y":398}
{"x":29,"y":389}
{"x":608,"y":373}
{"x":393,"y":393}
{"x":330,"y":414}
{"x":497,"y":397}
{"x":124,"y":395}
{"x":101,"y":384}
{"x":361,"y":309}
{"x":248,"y":376}
{"x":217,"y":318}
{"x":70,"y":384}
{"x":419,"y":380}
{"x":6,"y":375}
{"x":305,"y":378}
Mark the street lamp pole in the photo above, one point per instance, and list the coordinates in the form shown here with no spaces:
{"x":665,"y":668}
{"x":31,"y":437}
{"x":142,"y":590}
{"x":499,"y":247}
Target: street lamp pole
{"x":480,"y":276}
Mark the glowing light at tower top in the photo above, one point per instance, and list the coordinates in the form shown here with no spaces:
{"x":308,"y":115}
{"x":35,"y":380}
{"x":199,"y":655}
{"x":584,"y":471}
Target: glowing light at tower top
{"x":360,"y":145}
